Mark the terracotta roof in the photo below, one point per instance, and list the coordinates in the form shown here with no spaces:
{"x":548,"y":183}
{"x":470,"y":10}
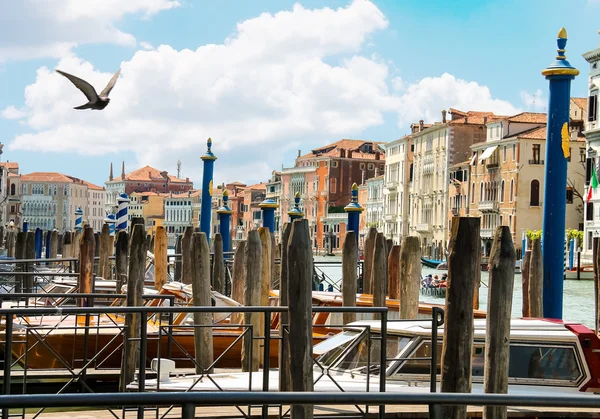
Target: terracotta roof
{"x":10,"y":164}
{"x":581,"y":102}
{"x":474,"y":117}
{"x":47,"y":177}
{"x":529,"y":118}
{"x":93,"y":187}
{"x":332,"y":150}
{"x":149,"y":193}
{"x":148,"y":174}
{"x":256,"y":186}
{"x":534,"y":134}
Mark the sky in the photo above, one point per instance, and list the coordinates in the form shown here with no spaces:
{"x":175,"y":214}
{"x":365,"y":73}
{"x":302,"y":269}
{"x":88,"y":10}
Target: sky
{"x":264,"y":78}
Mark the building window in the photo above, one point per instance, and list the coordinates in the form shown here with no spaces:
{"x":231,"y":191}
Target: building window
{"x":512,"y":190}
{"x":334,"y":163}
{"x":370,"y":167}
{"x":333,"y":185}
{"x":534,"y":193}
{"x":502,"y":191}
{"x":481,"y":191}
{"x":581,"y":155}
{"x":592,"y":106}
{"x":362,"y":166}
{"x":514,"y":156}
{"x":589,"y":211}
{"x":569,"y":195}
{"x":504,"y":155}
{"x":536,"y":154}
{"x":473,"y":193}
{"x":13,"y":189}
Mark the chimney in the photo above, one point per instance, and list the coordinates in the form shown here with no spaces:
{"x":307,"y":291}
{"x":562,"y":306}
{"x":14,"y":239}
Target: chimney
{"x":110,"y":175}
{"x":443,"y":116}
{"x":421,"y":125}
{"x":187,"y":179}
{"x":123,"y":171}
{"x":484,"y":120}
{"x":299,"y":153}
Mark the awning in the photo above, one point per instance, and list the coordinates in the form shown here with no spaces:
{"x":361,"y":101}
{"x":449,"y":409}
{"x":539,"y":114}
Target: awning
{"x":473,"y":159}
{"x":488,"y":153}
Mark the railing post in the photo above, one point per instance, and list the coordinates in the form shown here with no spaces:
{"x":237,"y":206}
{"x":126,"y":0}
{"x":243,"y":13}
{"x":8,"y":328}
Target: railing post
{"x":7,"y":358}
{"x":142,"y":367}
{"x":188,"y":411}
{"x":436,"y":321}
{"x":383,"y":360}
{"x":266,"y":359}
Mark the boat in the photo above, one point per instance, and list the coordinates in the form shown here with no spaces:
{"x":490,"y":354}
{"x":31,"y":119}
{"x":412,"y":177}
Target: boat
{"x":431,"y":263}
{"x":585,"y":272}
{"x":547,"y":357}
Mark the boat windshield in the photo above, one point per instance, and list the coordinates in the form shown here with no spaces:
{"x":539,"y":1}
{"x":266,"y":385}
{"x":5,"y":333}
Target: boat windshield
{"x":359,"y":356}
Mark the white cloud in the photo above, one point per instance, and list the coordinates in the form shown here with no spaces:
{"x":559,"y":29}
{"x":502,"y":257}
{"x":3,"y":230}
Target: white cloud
{"x":11,"y":112}
{"x":146,"y":45}
{"x":51,"y":28}
{"x":426,"y":99}
{"x":535,"y":102}
{"x":257,"y":95}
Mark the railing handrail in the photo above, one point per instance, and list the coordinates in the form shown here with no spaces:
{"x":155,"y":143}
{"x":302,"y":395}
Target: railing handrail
{"x":219,"y":398}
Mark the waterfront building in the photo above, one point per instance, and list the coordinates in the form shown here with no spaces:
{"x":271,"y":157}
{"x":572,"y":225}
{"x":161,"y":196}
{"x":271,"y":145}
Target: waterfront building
{"x":146,"y":179}
{"x":50,"y":199}
{"x":436,"y":149}
{"x":150,"y":206}
{"x":11,"y":193}
{"x":95,"y":208}
{"x":324,"y":178}
{"x":507,"y":177}
{"x":374,"y":205}
{"x":592,"y":135}
{"x":252,"y":214}
{"x":274,"y":192}
{"x":179,"y":213}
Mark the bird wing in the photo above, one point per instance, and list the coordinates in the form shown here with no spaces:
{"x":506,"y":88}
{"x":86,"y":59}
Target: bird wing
{"x":87,"y":89}
{"x":110,"y":84}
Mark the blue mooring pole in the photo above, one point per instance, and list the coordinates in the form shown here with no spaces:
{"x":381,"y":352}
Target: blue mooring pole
{"x":559,"y":74}
{"x":268,"y":207}
{"x":39,"y":240}
{"x":224,"y":214}
{"x":207,"y":180}
{"x":296,"y":213}
{"x":354,"y":209}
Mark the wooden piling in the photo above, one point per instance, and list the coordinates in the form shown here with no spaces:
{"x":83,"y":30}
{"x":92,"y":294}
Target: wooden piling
{"x":536,"y":278}
{"x":160,"y":258}
{"x":29,"y":280}
{"x":252,"y":289}
{"x":105,"y":252}
{"x":368,"y":261}
{"x":525,"y":283}
{"x":274,"y":271}
{"x":300,"y":269}
{"x":178,"y":258}
{"x":218,"y":272}
{"x":393,"y":288}
{"x":497,"y":342}
{"x":11,"y":238}
{"x":19,"y":253}
{"x":87,"y":250}
{"x":379,"y":274}
{"x":66,"y":245}
{"x":121,"y":264}
{"x":97,"y":241}
{"x":203,"y":340}
{"x":596,"y":265}
{"x":53,"y":244}
{"x":186,"y":255}
{"x":349,"y":275}
{"x":135,"y":287}
{"x":457,"y":347}
{"x":2,"y":236}
{"x":284,"y":349}
{"x":265,"y":275}
{"x":59,"y":247}
{"x":74,"y":241}
{"x":237,"y":280}
{"x":410,"y":277}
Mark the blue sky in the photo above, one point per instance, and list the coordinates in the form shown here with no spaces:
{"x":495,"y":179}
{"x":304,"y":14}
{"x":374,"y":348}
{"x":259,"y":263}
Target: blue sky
{"x":368,"y":85}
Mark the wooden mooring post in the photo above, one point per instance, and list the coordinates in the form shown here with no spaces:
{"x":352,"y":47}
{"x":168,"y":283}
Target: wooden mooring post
{"x":66,"y":251}
{"x":121,"y":250}
{"x":525,"y":283}
{"x":160,"y":257}
{"x":300,"y":357}
{"x":457,"y":348}
{"x":178,"y":258}
{"x":497,"y":335}
{"x":21,"y":239}
{"x":29,"y":280}
{"x":284,"y":348}
{"x":237,"y":280}
{"x":53,"y":244}
{"x":410,"y":277}
{"x":379,"y":274}
{"x":74,"y":242}
{"x":349,"y":275}
{"x":11,"y":238}
{"x":186,"y":255}
{"x":218,"y":271}
{"x":252,"y":289}
{"x":106,"y":249}
{"x":135,"y":287}
{"x":368,"y":250}
{"x":203,"y":340}
{"x":394,"y":272}
{"x":536,"y":279}
{"x":87,"y":253}
{"x":265,"y":279}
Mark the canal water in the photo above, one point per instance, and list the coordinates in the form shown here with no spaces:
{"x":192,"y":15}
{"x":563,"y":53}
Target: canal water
{"x":578,"y":302}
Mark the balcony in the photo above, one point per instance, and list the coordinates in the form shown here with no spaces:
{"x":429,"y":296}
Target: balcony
{"x":392,"y":186}
{"x":493,"y":165}
{"x":536,"y":161}
{"x":390,"y":218}
{"x":488,"y":206}
{"x":423,"y":228}
{"x":487,"y":233}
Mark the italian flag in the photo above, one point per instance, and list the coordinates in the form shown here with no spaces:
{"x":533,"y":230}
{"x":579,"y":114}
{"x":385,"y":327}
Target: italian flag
{"x":593,"y":184}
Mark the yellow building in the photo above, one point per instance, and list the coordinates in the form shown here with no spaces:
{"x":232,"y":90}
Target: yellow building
{"x":150,"y":206}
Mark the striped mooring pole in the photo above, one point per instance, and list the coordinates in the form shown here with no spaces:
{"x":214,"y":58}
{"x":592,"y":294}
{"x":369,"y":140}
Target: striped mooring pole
{"x":559,"y":75}
{"x":111,"y":221}
{"x":123,"y":201}
{"x":79,"y":219}
{"x":224,"y":214}
{"x":208,"y":161}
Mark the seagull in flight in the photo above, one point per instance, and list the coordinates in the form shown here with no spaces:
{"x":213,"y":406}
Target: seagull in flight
{"x":95,"y":100}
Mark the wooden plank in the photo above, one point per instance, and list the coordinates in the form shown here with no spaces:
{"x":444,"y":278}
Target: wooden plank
{"x":135,"y":287}
{"x":75,"y":239}
{"x":203,"y":341}
{"x":237,"y":280}
{"x":252,"y":288}
{"x":349,"y":275}
{"x":300,"y":270}
{"x":53,"y":244}
{"x":497,"y":348}
{"x":410,"y":277}
{"x":160,"y":257}
{"x":463,"y":268}
{"x":218,"y":273}
{"x":536,"y":279}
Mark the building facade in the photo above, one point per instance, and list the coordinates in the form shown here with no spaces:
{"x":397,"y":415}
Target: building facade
{"x":179,"y":213}
{"x":95,"y":209}
{"x":150,"y":206}
{"x":12,"y":194}
{"x":374,"y":206}
{"x":274,"y":192}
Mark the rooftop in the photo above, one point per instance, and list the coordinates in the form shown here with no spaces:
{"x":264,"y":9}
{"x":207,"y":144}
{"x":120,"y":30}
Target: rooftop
{"x":581,"y":102}
{"x":529,"y":118}
{"x":360,"y":149}
{"x":49,"y":177}
{"x":148,"y":174}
